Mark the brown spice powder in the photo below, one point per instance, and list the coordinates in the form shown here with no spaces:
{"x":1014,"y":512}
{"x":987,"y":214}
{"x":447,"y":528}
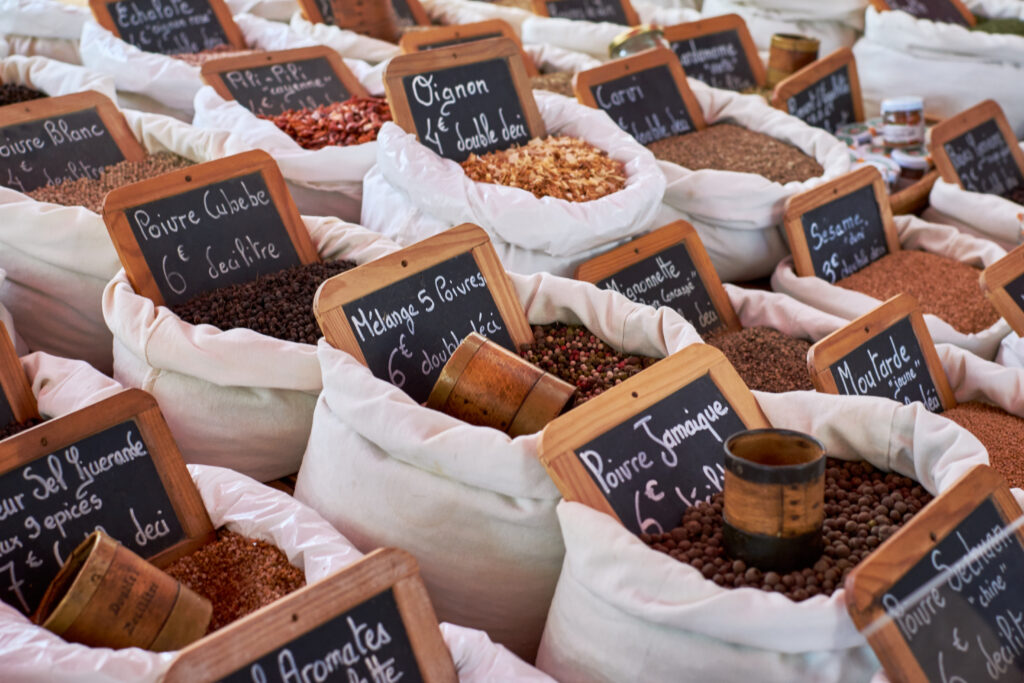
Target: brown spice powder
{"x":766,"y":359}
{"x":1001,"y":433}
{"x":942,"y":286}
{"x":558,"y":82}
{"x":219,"y":52}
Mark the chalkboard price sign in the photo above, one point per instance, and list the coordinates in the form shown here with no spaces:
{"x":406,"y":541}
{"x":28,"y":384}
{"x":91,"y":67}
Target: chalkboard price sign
{"x":372,"y":621}
{"x":645,"y":94}
{"x":448,"y":36}
{"x":471,"y":98}
{"x":977,"y":149}
{"x":718,"y":51}
{"x":942,"y":599}
{"x":178,"y":27}
{"x":269,"y":83}
{"x":825,"y":93}
{"x":404,"y":314}
{"x":112,"y":465}
{"x":667,"y":267}
{"x":206,"y":227}
{"x":945,"y":11}
{"x":612,"y":11}
{"x":1003,"y":284}
{"x":651,"y":447}
{"x":409,"y":13}
{"x":57,"y":139}
{"x":17,"y":402}
{"x":841,"y":226}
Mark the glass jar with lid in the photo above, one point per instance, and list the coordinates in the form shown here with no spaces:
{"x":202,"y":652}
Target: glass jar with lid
{"x":903,"y":121}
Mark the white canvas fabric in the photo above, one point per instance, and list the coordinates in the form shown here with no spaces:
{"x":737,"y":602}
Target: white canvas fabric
{"x":346,"y":43}
{"x":42,"y":28}
{"x":623,"y":611}
{"x":914,"y":233}
{"x":976,"y":213}
{"x":760,"y":308}
{"x":835,"y":23}
{"x":275,"y":10}
{"x":59,"y":258}
{"x":413,"y":193}
{"x":474,"y":506}
{"x":20,"y":347}
{"x":1011,"y":351}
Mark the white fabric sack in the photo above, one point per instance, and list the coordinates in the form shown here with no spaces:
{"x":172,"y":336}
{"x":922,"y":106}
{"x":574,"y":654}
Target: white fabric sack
{"x":474,"y":506}
{"x":977,"y":213}
{"x":413,"y":193}
{"x":1011,"y":351}
{"x":835,"y":23}
{"x":275,"y":10}
{"x":913,"y":233}
{"x":5,"y":317}
{"x":346,"y":43}
{"x":59,"y":258}
{"x":953,"y":68}
{"x":976,"y":379}
{"x":761,"y":308}
{"x":43,"y":28}
{"x":234,"y":398}
{"x":623,"y":611}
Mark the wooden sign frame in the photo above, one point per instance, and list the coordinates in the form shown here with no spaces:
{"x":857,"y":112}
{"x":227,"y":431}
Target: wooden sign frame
{"x":335,"y":293}
{"x":957,"y":125}
{"x":869,"y":581}
{"x":838,"y":344}
{"x":118,"y":201}
{"x":62,"y":105}
{"x":562,"y":436}
{"x":14,"y":382}
{"x":289,"y":618}
{"x":460,"y":55}
{"x":101,"y":12}
{"x":540,"y":8}
{"x":883,"y":6}
{"x":653,"y":243}
{"x":141,"y":407}
{"x":800,"y":204}
{"x":212,"y":72}
{"x":725,"y":22}
{"x":311,"y":12}
{"x":582,"y":81}
{"x":814,"y":72}
{"x":419,"y":41}
{"x":993,"y":282}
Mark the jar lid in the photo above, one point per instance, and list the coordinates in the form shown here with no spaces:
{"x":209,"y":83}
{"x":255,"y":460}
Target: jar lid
{"x":908,"y":103}
{"x":912,"y":157}
{"x":648,"y":30}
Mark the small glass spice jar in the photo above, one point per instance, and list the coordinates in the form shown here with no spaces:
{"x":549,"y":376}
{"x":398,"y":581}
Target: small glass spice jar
{"x":914,"y":164}
{"x":636,"y":39}
{"x":903,"y":121}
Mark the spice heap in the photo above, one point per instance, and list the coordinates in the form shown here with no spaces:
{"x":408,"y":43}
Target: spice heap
{"x":557,"y":166}
{"x":573,"y":354}
{"x":89,"y":193}
{"x":1001,"y":433}
{"x":219,"y":52}
{"x":15,"y":427}
{"x":942,"y":286}
{"x":279,"y":305}
{"x":1016,"y":195}
{"x":12,"y":93}
{"x":238,"y":575}
{"x":1007,"y":26}
{"x":766,"y":359}
{"x":863,"y":507}
{"x":559,"y":82}
{"x":352,"y":122}
{"x":728,"y":147}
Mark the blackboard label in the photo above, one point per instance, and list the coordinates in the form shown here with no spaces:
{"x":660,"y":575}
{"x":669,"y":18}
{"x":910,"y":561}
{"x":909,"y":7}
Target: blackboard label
{"x":717,"y":59}
{"x":50,"y":505}
{"x":935,"y":10}
{"x":326,"y":9}
{"x":404,"y":16}
{"x":984,"y":161}
{"x":365,"y":643}
{"x":271,"y":89}
{"x":457,"y":41}
{"x":845,"y":235}
{"x":828,"y":103}
{"x":588,"y":10}
{"x":646,"y":104}
{"x":168,"y":27}
{"x":1015,"y":288}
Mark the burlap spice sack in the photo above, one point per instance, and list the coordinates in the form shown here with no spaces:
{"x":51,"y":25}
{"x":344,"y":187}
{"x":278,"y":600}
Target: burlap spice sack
{"x":984,"y":215}
{"x":738,"y":214}
{"x":474,"y":506}
{"x":413,"y":193}
{"x":918,"y":235}
{"x":836,"y":23}
{"x":43,"y":28}
{"x":234,"y":398}
{"x":59,"y":258}
{"x":624,"y":611}
{"x":952,"y":67}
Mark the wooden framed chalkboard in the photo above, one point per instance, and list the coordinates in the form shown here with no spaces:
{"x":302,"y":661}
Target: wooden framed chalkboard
{"x":612,"y":11}
{"x":447,"y":36}
{"x":53,"y":139}
{"x":666,"y":267}
{"x":406,"y":12}
{"x":371,"y":621}
{"x":651,"y":447}
{"x":402,"y":315}
{"x":1003,"y":284}
{"x":409,"y":13}
{"x":886,"y":352}
{"x":825,"y":93}
{"x":942,"y":599}
{"x":840,"y":226}
{"x":718,"y":51}
{"x":646,"y":94}
{"x":113,"y":464}
{"x":977,"y":150}
{"x":946,"y":11}
{"x":268,"y":83}
{"x":17,"y":402}
{"x":182,"y":26}
{"x":470,"y":98}
{"x":206,"y":226}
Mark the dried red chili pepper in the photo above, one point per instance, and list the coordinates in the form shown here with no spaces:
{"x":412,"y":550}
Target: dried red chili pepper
{"x":352,"y":122}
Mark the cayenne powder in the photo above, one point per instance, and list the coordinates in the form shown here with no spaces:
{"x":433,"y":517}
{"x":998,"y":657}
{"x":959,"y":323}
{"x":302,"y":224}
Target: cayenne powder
{"x":766,"y":360}
{"x":1001,"y":433}
{"x":352,"y":122}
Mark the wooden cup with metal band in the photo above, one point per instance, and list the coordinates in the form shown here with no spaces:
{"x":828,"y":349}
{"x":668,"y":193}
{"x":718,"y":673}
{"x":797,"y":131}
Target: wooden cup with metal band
{"x":107,"y":596}
{"x":788,"y":54}
{"x":487,"y":385}
{"x":774,"y":498}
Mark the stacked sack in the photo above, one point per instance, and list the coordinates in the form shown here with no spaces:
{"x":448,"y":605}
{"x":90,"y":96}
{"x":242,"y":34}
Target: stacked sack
{"x":43,"y":28}
{"x":835,"y":24}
